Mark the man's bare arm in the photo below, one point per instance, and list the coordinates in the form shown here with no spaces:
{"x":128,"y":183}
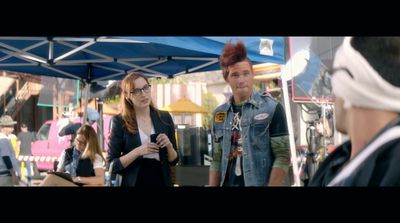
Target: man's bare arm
{"x":277,"y":177}
{"x":214,"y":178}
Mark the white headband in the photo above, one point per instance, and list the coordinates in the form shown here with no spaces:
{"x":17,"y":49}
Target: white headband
{"x":367,"y":88}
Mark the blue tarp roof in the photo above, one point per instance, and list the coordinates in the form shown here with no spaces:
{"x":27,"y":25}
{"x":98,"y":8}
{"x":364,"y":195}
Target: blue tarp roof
{"x":110,"y":58}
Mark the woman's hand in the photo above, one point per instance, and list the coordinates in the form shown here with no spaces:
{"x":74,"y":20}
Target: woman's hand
{"x":147,"y":149}
{"x":163,"y":141}
{"x":76,"y":179}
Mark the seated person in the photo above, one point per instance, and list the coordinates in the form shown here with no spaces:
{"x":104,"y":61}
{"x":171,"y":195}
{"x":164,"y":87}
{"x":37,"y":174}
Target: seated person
{"x":84,"y":162}
{"x":72,"y":128}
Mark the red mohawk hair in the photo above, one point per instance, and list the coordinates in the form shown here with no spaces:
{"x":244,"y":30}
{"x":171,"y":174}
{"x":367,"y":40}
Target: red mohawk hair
{"x":231,"y":54}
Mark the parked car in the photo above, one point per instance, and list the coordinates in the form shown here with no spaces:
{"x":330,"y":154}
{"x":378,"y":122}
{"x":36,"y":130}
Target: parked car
{"x":49,"y":145}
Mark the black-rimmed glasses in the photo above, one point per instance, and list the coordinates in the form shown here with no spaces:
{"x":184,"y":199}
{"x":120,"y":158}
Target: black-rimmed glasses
{"x":327,"y":76}
{"x":332,"y":71}
{"x":138,"y":91}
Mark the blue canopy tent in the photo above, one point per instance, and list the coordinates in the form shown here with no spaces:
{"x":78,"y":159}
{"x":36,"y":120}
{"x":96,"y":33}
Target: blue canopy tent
{"x":93,"y":59}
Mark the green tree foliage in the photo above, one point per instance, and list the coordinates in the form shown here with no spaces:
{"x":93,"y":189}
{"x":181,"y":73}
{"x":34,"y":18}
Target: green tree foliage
{"x":259,"y":86}
{"x":112,"y":100}
{"x":162,"y":80}
{"x":209,"y":102}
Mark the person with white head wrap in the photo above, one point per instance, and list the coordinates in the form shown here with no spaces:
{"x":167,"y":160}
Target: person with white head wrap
{"x":362,"y":85}
{"x":366,"y":77}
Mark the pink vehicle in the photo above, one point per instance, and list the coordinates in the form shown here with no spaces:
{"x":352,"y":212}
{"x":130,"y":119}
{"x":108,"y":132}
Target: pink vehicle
{"x":49,"y":146}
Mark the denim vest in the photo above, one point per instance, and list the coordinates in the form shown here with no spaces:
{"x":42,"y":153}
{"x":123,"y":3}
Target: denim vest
{"x":257,"y":155}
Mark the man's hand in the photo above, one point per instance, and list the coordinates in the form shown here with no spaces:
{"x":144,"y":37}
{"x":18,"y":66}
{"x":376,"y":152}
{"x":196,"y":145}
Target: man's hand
{"x":214,"y":178}
{"x":277,"y":177}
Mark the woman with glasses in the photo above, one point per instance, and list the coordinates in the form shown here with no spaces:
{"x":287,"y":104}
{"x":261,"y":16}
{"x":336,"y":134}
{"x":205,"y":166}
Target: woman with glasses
{"x":142,"y":145}
{"x":83,"y":162}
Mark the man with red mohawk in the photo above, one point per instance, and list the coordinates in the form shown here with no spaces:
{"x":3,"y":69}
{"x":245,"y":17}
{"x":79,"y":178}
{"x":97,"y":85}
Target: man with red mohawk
{"x":250,"y":135}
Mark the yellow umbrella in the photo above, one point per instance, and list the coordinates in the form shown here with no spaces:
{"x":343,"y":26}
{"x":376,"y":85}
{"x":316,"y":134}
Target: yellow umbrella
{"x":184,"y":105}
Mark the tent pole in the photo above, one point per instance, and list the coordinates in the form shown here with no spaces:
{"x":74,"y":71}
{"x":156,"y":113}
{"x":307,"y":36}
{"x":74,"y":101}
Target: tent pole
{"x":85,"y":99}
{"x":291,"y":134}
{"x":293,"y":154}
{"x":87,"y":92}
{"x":100,"y":123}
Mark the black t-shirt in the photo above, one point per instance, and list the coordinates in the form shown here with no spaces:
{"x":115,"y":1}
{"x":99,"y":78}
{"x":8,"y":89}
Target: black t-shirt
{"x":278,"y":125}
{"x":231,"y":178}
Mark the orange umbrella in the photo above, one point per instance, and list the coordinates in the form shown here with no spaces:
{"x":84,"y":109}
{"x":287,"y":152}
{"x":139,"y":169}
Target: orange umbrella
{"x":184,"y":105}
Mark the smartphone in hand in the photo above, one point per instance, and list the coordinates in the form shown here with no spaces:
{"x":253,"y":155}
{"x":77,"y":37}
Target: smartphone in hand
{"x":153,"y":138}
{"x":163,"y":154}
